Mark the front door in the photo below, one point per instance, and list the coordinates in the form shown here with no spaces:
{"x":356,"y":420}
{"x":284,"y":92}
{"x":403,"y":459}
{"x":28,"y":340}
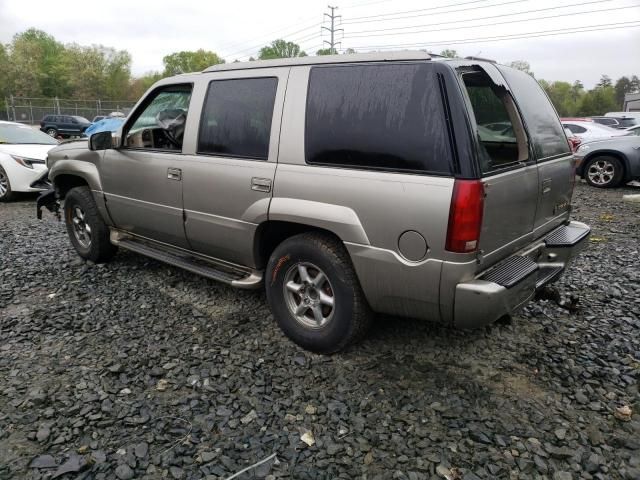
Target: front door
{"x":142,"y":180}
{"x":228,"y":178}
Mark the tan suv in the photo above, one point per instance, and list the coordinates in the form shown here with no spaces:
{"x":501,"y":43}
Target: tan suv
{"x":345,"y":185}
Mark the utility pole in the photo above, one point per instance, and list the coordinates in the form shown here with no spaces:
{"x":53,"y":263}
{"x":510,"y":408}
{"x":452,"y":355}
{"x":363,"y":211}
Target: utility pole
{"x":332,"y":16}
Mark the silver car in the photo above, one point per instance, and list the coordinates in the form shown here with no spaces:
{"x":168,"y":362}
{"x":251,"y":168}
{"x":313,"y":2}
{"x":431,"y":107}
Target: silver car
{"x":610,"y":163}
{"x":343,"y":185}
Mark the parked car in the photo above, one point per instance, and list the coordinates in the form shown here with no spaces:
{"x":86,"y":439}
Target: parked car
{"x":633,"y":115}
{"x":64,"y":125}
{"x":97,"y":118}
{"x":23,"y":151}
{"x":107,"y":124}
{"x":343,"y":184}
{"x":615,"y":122}
{"x":609,"y":163}
{"x":588,"y":131}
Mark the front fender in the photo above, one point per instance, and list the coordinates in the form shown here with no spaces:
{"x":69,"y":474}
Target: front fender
{"x":338,"y":219}
{"x":79,"y":168}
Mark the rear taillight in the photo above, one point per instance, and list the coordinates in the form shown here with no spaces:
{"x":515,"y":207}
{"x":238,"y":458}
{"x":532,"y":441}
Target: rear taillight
{"x":465,"y":216}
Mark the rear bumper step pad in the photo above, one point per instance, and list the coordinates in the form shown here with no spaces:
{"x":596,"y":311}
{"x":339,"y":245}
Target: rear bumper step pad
{"x":566,"y":236}
{"x":511,"y":271}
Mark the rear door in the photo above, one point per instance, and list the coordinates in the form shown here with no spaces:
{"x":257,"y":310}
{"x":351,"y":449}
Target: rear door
{"x":556,"y":171}
{"x":229,"y":171}
{"x":507,"y":166}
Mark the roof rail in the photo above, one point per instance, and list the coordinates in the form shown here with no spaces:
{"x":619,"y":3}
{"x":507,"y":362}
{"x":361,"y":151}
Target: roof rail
{"x":480,"y":59}
{"x":323,"y":59}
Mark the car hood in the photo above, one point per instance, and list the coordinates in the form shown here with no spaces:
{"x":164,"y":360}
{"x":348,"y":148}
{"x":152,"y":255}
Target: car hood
{"x":39,"y":152}
{"x":615,"y":142}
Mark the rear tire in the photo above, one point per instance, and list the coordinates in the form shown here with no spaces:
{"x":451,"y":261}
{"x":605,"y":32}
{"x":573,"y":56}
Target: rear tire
{"x":6,"y":194}
{"x":314,"y":293}
{"x":603,"y":171}
{"x":87,"y":231}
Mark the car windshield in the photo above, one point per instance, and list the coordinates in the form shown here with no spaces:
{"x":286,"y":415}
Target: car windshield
{"x":23,"y":134}
{"x":80,"y":119}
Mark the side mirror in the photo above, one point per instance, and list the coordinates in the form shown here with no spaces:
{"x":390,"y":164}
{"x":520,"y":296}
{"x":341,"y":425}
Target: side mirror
{"x":102,"y":141}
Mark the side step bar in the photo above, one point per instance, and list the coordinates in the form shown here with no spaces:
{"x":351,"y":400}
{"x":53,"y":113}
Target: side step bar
{"x":247,"y":279}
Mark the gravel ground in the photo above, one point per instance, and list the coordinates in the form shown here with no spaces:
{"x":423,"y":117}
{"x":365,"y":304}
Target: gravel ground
{"x":135,"y":369}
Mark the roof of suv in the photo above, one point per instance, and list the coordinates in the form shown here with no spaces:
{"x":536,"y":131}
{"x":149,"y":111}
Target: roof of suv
{"x":315,"y":60}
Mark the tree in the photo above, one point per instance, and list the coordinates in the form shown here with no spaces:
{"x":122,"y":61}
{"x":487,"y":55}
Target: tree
{"x":326,"y":51}
{"x":189,"y":61}
{"x":449,"y":53}
{"x":626,"y":85}
{"x":4,"y":69}
{"x":605,"y":81}
{"x":141,"y":84}
{"x":281,"y":49}
{"x":598,"y":101}
{"x":349,"y":51}
{"x":522,"y":66}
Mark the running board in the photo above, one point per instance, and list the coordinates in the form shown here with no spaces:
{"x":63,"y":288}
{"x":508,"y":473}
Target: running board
{"x":246,"y":279}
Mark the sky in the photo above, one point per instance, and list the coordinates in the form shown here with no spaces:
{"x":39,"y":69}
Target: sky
{"x":607,"y":38}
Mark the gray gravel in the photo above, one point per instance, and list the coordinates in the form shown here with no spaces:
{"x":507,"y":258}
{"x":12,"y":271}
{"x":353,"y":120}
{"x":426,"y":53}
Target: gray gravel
{"x":139,"y":370}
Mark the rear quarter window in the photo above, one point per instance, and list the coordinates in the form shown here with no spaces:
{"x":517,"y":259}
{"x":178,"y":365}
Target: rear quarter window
{"x":540,"y":118}
{"x":380,"y":117}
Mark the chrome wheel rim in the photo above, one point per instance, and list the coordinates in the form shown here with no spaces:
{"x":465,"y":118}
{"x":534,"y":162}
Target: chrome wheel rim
{"x":309,"y":295}
{"x":4,"y":184}
{"x":601,"y":172}
{"x":51,"y":132}
{"x":81,"y":229}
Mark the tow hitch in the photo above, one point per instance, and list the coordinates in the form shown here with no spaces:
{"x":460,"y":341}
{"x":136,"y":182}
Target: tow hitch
{"x":48,"y":200}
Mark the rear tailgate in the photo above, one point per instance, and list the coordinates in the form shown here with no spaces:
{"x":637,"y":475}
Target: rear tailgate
{"x":556,"y":170}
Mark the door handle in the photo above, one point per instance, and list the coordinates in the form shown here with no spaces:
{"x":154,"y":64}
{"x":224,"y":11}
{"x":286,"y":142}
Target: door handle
{"x":174,"y":174}
{"x":546,"y":186}
{"x":261,"y":184}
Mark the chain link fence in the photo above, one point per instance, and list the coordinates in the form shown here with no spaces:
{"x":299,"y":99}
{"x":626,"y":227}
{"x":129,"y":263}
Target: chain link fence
{"x":32,"y":110}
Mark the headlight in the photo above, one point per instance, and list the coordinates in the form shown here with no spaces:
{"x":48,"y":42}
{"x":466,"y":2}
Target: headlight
{"x":583,"y":148}
{"x":27,"y":162}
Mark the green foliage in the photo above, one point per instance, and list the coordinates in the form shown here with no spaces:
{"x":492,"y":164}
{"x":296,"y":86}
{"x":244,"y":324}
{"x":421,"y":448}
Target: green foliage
{"x":626,"y":85}
{"x":281,"y":49}
{"x":598,"y":101}
{"x":449,"y":53}
{"x":326,"y":51}
{"x":186,"y":62}
{"x":522,"y":66}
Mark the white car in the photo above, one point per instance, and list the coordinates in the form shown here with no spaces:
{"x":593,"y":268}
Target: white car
{"x":588,"y":131}
{"x":23,"y":152}
{"x":635,"y":130}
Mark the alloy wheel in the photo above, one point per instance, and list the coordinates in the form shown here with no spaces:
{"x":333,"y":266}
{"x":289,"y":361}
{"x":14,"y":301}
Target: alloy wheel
{"x":601,"y":172}
{"x":4,"y":184}
{"x":81,"y":229}
{"x":309,"y":295}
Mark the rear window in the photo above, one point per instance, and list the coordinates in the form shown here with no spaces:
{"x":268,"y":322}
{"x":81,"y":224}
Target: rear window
{"x":380,"y":117}
{"x":543,"y":125}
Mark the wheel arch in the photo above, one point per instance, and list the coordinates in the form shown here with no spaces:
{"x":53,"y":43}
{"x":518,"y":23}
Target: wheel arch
{"x":272,"y":233}
{"x":624,"y":161}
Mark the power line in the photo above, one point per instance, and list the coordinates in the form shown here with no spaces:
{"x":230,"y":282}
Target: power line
{"x":373,"y":18}
{"x":580,"y":4}
{"x":517,"y":36}
{"x":262,"y":44}
{"x":235,"y":44}
{"x":509,"y":22}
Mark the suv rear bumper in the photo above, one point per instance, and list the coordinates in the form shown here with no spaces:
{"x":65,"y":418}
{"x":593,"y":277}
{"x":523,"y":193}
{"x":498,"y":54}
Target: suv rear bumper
{"x":507,"y":286}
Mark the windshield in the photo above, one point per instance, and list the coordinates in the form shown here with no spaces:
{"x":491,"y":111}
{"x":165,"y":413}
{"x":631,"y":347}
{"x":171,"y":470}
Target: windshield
{"x":23,"y":134}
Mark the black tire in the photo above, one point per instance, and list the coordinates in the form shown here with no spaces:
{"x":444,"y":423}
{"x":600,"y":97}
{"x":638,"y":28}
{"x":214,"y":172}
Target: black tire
{"x":8,"y":194}
{"x":52,"y":132}
{"x":603,"y":171}
{"x":351,"y":315}
{"x":97,"y":248}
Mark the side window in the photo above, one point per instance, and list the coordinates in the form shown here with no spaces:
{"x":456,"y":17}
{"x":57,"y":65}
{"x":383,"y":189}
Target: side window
{"x":385,"y":117}
{"x":575,"y":128}
{"x":236,"y":118}
{"x":539,"y":115}
{"x":159,"y":123}
{"x":500,"y":132}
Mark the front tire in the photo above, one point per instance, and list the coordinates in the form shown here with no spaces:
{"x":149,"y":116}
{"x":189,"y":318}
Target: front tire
{"x":6,"y":194}
{"x":87,"y":231}
{"x":52,"y":132}
{"x":603,"y":172}
{"x":314,"y":293}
